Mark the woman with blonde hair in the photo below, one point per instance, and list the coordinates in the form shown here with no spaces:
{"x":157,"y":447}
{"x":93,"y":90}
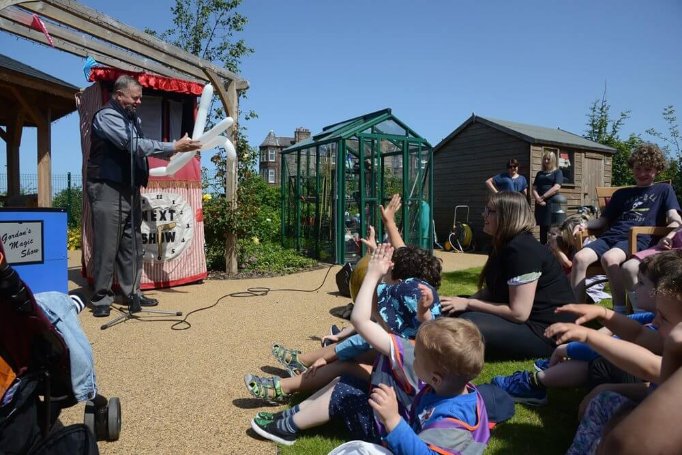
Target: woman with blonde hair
{"x":520,"y":285}
{"x":546,"y":187}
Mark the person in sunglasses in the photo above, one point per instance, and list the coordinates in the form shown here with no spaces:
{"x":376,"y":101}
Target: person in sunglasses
{"x":508,"y":181}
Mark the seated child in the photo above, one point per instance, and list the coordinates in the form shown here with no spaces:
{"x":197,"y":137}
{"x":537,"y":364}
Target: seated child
{"x":561,"y":243}
{"x":448,"y":414}
{"x":653,"y":426}
{"x":416,"y":272}
{"x":577,"y":364}
{"x":647,"y":204}
{"x":609,"y":404}
{"x":673,"y":240}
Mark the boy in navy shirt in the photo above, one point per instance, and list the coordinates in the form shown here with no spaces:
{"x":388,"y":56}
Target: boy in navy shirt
{"x":647,"y":204}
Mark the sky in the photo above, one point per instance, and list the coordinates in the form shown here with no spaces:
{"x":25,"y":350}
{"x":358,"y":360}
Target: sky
{"x":434,"y":63}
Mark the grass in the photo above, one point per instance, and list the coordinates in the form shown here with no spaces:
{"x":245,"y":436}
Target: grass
{"x":546,"y":430}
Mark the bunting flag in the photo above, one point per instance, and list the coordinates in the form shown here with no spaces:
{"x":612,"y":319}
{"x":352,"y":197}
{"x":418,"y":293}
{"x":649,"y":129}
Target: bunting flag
{"x":39,"y":25}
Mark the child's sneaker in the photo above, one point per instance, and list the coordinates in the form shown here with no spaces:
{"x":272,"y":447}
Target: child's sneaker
{"x":541,"y":364}
{"x":268,"y":429}
{"x":521,"y":390}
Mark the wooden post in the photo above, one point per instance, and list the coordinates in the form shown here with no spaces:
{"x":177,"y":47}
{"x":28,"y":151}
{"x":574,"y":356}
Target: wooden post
{"x":14,"y":130}
{"x":228,"y":95}
{"x":45,"y":160}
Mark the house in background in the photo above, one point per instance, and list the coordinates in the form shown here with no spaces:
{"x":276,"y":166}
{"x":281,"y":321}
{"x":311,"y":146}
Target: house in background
{"x":480,"y":147}
{"x":270,"y":153}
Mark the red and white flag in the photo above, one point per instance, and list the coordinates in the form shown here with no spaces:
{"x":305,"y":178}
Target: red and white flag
{"x":39,"y":25}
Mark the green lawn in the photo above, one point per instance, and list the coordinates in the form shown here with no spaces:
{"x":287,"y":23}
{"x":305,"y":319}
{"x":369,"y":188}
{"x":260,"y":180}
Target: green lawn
{"x":547,"y":430}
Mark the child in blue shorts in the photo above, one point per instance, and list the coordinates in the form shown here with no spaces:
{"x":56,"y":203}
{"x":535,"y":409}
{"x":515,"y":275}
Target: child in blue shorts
{"x":411,"y":284}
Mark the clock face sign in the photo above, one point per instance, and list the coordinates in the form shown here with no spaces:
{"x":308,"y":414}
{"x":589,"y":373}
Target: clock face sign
{"x":167,"y":225}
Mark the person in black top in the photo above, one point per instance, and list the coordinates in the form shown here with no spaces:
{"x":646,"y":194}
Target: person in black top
{"x":546,"y":186}
{"x":520,"y":285}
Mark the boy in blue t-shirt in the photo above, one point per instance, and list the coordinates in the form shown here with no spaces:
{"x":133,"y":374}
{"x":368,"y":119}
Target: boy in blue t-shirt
{"x":646,"y":204}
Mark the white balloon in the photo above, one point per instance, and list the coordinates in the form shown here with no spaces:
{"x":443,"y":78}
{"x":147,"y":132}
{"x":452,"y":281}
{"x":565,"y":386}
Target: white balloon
{"x":210,"y":139}
{"x":180,"y":160}
{"x":158,"y":171}
{"x":216,"y":130}
{"x":202,"y":112}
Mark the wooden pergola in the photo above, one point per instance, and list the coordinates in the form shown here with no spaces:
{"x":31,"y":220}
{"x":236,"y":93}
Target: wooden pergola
{"x":31,"y":98}
{"x":83,"y":31}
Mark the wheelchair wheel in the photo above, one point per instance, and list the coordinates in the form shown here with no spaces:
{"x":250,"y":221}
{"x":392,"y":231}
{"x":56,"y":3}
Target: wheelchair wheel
{"x":113,"y":419}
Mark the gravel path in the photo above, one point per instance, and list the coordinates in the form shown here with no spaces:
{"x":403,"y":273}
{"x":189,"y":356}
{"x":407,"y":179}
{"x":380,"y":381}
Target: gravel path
{"x":182,"y":391}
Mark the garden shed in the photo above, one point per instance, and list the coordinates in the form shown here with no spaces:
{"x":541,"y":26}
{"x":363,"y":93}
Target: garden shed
{"x":333,"y":183}
{"x":480,"y":147}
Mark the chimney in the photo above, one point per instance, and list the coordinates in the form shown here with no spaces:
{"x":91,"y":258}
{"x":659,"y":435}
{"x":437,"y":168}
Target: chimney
{"x":301,"y":134}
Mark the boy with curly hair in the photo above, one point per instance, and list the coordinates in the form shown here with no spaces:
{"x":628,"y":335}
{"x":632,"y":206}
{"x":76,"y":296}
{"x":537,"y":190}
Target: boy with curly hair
{"x":646,"y":204}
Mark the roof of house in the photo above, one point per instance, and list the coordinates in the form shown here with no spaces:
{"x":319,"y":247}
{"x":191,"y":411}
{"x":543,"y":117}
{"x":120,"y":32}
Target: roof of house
{"x":17,"y":66}
{"x":276,"y":141}
{"x":530,"y":133}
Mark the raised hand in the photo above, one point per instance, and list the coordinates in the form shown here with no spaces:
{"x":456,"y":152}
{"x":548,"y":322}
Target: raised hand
{"x":425,"y":303}
{"x":585,"y":312}
{"x":388,"y":212}
{"x":563,"y":332}
{"x":371,"y":240}
{"x":380,"y":261}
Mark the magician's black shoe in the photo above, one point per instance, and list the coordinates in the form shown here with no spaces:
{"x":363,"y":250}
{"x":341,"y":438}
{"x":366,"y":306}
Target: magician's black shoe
{"x":101,"y":311}
{"x":147,"y":301}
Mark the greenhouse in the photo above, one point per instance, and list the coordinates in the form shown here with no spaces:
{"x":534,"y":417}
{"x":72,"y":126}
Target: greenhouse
{"x":334,"y":182}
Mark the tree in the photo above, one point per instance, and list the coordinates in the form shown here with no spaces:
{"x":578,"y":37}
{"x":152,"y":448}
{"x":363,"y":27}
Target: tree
{"x":672,"y":146}
{"x":605,"y":130}
{"x":207,"y":29}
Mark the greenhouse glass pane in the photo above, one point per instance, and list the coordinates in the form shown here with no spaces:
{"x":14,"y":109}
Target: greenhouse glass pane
{"x":390,"y":127}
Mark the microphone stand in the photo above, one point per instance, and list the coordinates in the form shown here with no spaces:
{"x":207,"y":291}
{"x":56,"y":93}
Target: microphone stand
{"x":134,"y":308}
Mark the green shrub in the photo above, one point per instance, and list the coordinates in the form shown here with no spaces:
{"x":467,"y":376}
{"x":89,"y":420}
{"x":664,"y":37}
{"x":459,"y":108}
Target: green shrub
{"x":74,"y":208}
{"x":256,"y":223}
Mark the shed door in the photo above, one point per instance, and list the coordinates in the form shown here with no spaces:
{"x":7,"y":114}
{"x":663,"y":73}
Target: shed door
{"x":593,"y":176}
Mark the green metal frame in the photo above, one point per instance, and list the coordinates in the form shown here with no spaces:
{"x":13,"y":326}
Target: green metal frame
{"x":359,"y":178}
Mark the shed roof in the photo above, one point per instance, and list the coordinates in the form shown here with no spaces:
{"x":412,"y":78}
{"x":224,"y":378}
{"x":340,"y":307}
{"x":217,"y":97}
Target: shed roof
{"x":530,"y":133}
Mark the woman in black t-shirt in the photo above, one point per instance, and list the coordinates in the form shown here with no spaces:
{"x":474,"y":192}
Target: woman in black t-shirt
{"x":519,"y":288}
{"x":546,"y":187}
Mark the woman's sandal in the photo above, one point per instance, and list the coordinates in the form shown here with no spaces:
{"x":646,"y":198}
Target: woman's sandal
{"x":289,"y":359}
{"x":268,"y":389}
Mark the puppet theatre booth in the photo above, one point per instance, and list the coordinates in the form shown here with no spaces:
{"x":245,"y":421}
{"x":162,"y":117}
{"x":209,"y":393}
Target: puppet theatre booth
{"x":333,"y":184}
{"x":172,"y":221}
